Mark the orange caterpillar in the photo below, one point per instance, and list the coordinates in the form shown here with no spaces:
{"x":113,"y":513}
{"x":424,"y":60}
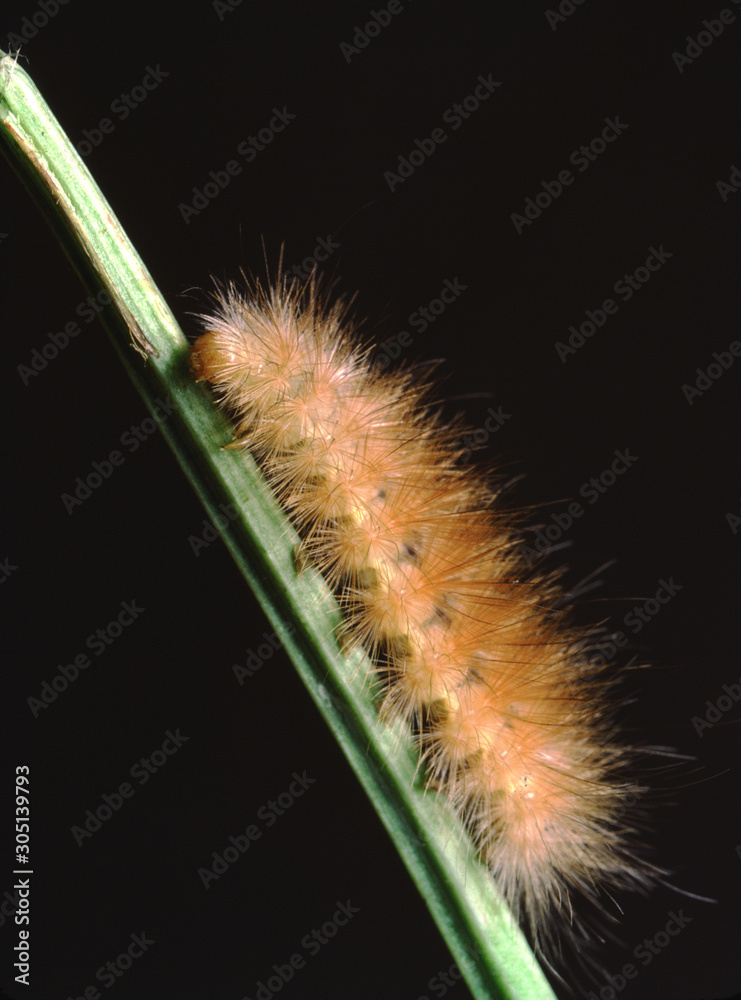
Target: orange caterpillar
{"x":511,"y":717}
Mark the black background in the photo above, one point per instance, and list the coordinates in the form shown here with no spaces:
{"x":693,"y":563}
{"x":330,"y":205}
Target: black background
{"x":324,"y":175}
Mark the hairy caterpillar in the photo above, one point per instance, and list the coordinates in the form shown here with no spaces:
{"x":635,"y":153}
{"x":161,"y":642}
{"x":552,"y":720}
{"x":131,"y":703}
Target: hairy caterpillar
{"x":475,"y":652}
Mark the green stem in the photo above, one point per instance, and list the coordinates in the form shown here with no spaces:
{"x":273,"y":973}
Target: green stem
{"x":482,"y":936}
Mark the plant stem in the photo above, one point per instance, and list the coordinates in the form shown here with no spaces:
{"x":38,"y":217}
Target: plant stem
{"x":489,"y":948}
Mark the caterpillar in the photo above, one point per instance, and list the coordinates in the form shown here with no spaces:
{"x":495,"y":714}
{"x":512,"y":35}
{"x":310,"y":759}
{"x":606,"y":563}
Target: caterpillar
{"x":474,"y":649}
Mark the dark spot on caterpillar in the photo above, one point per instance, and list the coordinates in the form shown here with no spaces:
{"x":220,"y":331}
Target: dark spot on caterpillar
{"x":438,"y":617}
{"x":409,"y":554}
